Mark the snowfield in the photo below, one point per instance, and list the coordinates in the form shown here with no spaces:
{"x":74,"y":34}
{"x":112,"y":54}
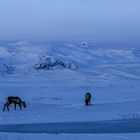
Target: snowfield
{"x":54,"y":92}
{"x":17,"y":136}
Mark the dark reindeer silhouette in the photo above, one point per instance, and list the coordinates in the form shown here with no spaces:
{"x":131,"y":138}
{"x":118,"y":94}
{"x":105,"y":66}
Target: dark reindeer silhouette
{"x":88,"y":99}
{"x":14,"y":100}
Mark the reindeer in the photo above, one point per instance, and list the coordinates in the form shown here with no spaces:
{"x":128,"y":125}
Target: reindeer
{"x":87,"y":99}
{"x":14,"y":100}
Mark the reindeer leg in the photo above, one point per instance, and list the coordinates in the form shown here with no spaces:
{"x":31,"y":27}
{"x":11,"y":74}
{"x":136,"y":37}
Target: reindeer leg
{"x":15,"y":106}
{"x":4,"y":106}
{"x":20,"y":106}
{"x":8,"y":106}
{"x":86,"y":102}
{"x":89,"y":102}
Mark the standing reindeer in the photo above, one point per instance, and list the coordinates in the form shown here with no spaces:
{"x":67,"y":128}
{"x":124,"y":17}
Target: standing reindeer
{"x":88,"y":99}
{"x":14,"y":100}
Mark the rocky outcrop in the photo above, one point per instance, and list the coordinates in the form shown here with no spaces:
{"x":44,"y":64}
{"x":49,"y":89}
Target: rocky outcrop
{"x":47,"y":63}
{"x":7,"y":69}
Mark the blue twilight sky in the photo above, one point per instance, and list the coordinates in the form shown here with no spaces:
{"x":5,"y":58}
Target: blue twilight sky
{"x":91,"y":20}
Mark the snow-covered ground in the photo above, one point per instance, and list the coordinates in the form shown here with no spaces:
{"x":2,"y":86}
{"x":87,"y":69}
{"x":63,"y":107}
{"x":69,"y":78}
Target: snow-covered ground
{"x":111,"y":74}
{"x":10,"y":136}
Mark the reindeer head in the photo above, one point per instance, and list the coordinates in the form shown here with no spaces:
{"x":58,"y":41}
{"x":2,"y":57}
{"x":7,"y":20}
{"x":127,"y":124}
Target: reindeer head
{"x":23,"y":104}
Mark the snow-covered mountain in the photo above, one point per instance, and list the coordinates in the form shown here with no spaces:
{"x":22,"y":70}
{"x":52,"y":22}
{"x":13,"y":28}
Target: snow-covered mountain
{"x":26,"y":57}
